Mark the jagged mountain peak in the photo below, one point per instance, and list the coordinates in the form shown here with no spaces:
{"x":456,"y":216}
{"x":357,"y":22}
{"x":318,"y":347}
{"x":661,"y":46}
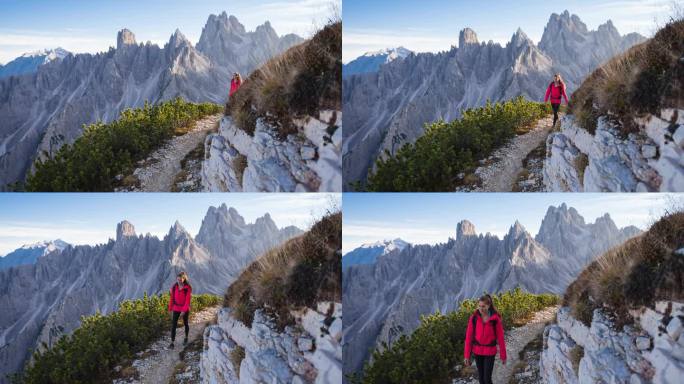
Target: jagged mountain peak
{"x":466,"y":37}
{"x":465,"y":228}
{"x":517,"y":230}
{"x":124,"y":38}
{"x":124,"y":229}
{"x":178,"y":39}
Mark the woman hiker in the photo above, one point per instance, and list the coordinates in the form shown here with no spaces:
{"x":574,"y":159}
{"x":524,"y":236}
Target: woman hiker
{"x":179,"y":304}
{"x":484,"y":332}
{"x":235,"y":83}
{"x":556,"y":90}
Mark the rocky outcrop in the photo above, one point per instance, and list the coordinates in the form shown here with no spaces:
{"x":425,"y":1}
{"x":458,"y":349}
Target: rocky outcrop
{"x":43,"y":301}
{"x":44,"y":110}
{"x":308,"y":352}
{"x":651,"y":160}
{"x":649,"y":351}
{"x":306,"y":162}
{"x":385,"y":300}
{"x":389,"y":108}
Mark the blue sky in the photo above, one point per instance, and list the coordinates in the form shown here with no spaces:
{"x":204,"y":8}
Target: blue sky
{"x":91,"y":26}
{"x":433,"y":25}
{"x":91,"y":218}
{"x":431,"y":218}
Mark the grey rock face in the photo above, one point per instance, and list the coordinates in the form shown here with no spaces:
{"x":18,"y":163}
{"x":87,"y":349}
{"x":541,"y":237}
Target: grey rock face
{"x":45,"y":300}
{"x":42,"y":111}
{"x":388,"y":108}
{"x":385,"y":300}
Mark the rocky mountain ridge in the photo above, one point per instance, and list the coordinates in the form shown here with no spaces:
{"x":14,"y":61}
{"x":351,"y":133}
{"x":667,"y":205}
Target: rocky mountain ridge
{"x":390,"y":295}
{"x":388,"y":108}
{"x":29,"y":253}
{"x":45,"y":300}
{"x":44,"y":110}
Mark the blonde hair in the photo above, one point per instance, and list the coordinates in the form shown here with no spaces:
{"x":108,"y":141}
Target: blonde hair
{"x":183,"y":276}
{"x":560,"y":80}
{"x":237,"y":74}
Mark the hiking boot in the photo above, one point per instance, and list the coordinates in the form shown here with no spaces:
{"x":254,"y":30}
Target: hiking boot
{"x":185,"y":341}
{"x":171,"y":345}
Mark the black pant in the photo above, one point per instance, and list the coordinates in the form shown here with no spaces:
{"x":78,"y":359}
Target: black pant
{"x":174,"y":323}
{"x":555,"y":108}
{"x":485,"y":367}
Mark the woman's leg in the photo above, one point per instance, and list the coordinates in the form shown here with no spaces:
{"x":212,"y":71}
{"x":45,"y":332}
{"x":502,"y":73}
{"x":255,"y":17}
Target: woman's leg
{"x":186,"y":317}
{"x":555,"y":108}
{"x":174,"y":323}
{"x":479,"y":361}
{"x":488,"y":368}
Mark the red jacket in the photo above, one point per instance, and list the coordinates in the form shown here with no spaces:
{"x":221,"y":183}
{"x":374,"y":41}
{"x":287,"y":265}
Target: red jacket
{"x":485,"y":335}
{"x":555,"y":93}
{"x":234,"y":86}
{"x":180,"y":298}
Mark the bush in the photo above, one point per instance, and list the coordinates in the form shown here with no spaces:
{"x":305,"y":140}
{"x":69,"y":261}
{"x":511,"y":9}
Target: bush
{"x":637,"y":273}
{"x":104,"y":341}
{"x":430,"y":353}
{"x":446,"y":149}
{"x":643,"y":80}
{"x":300,"y":273}
{"x":302,"y":81}
{"x":106,"y":150}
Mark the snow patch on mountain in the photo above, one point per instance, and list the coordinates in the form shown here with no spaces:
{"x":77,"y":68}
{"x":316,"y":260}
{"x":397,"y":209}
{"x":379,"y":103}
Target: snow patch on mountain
{"x":29,"y":62}
{"x":371,"y":61}
{"x":368,"y":253}
{"x":29,"y":253}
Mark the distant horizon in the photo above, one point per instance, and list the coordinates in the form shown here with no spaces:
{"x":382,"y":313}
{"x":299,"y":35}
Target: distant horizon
{"x":78,"y":26}
{"x":433,"y":25}
{"x":91,"y":219}
{"x":431,"y":218}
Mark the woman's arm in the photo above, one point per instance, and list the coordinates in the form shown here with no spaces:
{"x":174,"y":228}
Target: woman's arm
{"x":500,"y":339}
{"x":548,"y":93}
{"x":188,"y":298}
{"x":468,"y":338}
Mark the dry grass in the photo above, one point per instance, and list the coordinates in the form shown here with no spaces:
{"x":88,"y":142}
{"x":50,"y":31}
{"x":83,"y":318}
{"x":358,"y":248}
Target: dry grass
{"x":302,"y":81}
{"x":236,"y":357}
{"x":643,"y":80}
{"x":637,"y":273}
{"x":581,"y":163}
{"x":239,"y":166}
{"x":576,"y":355}
{"x":299,"y":273}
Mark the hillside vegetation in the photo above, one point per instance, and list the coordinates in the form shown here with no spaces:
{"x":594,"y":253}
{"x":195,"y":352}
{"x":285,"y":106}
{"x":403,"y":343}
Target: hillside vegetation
{"x":431,"y":352}
{"x":643,"y":80}
{"x":433,"y":162}
{"x":638,"y":273}
{"x":90,"y":353}
{"x":305,"y":270}
{"x":91,"y":163}
{"x":302,"y":81}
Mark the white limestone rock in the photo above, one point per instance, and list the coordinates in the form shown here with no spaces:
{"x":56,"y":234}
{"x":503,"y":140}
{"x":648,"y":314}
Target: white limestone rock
{"x":306,"y":162}
{"x":310,"y":352}
{"x":650,"y":161}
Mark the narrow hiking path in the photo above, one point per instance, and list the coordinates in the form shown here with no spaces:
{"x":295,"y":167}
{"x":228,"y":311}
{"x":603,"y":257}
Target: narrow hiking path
{"x":516,"y":340}
{"x":158,"y":172}
{"x":507,"y":163}
{"x":158,"y":363}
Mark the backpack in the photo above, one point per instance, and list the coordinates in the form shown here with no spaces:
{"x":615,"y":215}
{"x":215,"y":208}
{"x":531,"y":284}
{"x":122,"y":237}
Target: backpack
{"x":474,"y":324}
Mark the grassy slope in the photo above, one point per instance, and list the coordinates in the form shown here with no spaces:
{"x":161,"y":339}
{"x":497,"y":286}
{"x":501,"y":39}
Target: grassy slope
{"x":639,"y":272}
{"x":643,"y":80}
{"x":303,"y":271}
{"x":302,"y":81}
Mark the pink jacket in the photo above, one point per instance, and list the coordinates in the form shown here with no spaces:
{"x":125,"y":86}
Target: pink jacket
{"x":483,"y":339}
{"x":555,"y":93}
{"x":180,"y":298}
{"x":234,"y":86}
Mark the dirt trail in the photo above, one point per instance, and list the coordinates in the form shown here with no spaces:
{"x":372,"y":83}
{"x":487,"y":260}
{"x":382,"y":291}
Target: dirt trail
{"x":517,"y":339}
{"x":161,"y":168}
{"x":157,"y":363}
{"x":502,"y":173}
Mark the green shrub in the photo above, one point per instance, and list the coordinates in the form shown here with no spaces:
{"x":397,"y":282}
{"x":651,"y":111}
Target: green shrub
{"x":106,"y":150}
{"x":446,"y":149}
{"x":430,"y":353}
{"x":104,"y":341}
